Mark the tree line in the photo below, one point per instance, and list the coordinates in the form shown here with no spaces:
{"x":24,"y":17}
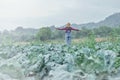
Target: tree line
{"x":46,"y":33}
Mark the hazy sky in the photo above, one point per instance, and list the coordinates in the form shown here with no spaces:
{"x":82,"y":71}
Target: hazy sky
{"x":39,"y":13}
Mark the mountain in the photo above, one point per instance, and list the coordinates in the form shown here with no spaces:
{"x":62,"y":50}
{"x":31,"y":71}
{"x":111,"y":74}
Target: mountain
{"x":110,"y":21}
{"x":22,"y":30}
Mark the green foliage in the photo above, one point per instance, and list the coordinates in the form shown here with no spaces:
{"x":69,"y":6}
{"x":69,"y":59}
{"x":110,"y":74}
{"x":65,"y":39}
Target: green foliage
{"x":117,"y":62}
{"x":47,"y":58}
{"x":102,"y":31}
{"x":90,"y":40}
{"x":44,"y":34}
{"x":113,"y":35}
{"x":57,"y":34}
{"x":47,"y":33}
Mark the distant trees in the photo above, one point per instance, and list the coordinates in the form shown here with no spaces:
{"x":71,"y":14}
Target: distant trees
{"x":57,"y":34}
{"x":47,"y":33}
{"x":20,"y":34}
{"x":105,"y":31}
{"x":102,"y":31}
{"x":44,"y":34}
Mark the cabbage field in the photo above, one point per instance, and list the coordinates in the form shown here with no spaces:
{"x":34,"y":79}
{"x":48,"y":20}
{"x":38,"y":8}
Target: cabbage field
{"x":60,"y":62}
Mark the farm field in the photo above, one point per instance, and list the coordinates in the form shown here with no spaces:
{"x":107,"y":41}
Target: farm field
{"x":89,"y":61}
{"x":59,"y":40}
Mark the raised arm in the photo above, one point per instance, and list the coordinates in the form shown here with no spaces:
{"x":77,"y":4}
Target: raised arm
{"x":74,"y":29}
{"x":61,"y":28}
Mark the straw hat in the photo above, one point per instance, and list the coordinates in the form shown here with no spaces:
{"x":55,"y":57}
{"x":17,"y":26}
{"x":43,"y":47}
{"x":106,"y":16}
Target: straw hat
{"x":68,"y":24}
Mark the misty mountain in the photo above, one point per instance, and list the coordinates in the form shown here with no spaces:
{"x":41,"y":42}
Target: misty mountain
{"x":25,"y":30}
{"x":110,"y":21}
{"x":20,"y":32}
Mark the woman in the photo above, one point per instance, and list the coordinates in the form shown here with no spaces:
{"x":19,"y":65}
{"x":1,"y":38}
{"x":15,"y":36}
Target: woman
{"x":68,"y":30}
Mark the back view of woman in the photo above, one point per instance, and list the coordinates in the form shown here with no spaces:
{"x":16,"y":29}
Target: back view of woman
{"x":68,"y":30}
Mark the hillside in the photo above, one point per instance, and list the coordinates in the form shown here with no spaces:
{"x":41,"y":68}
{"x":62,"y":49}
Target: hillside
{"x":110,"y":21}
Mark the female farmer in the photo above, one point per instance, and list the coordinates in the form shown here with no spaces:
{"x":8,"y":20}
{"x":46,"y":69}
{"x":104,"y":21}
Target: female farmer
{"x":68,"y":30}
